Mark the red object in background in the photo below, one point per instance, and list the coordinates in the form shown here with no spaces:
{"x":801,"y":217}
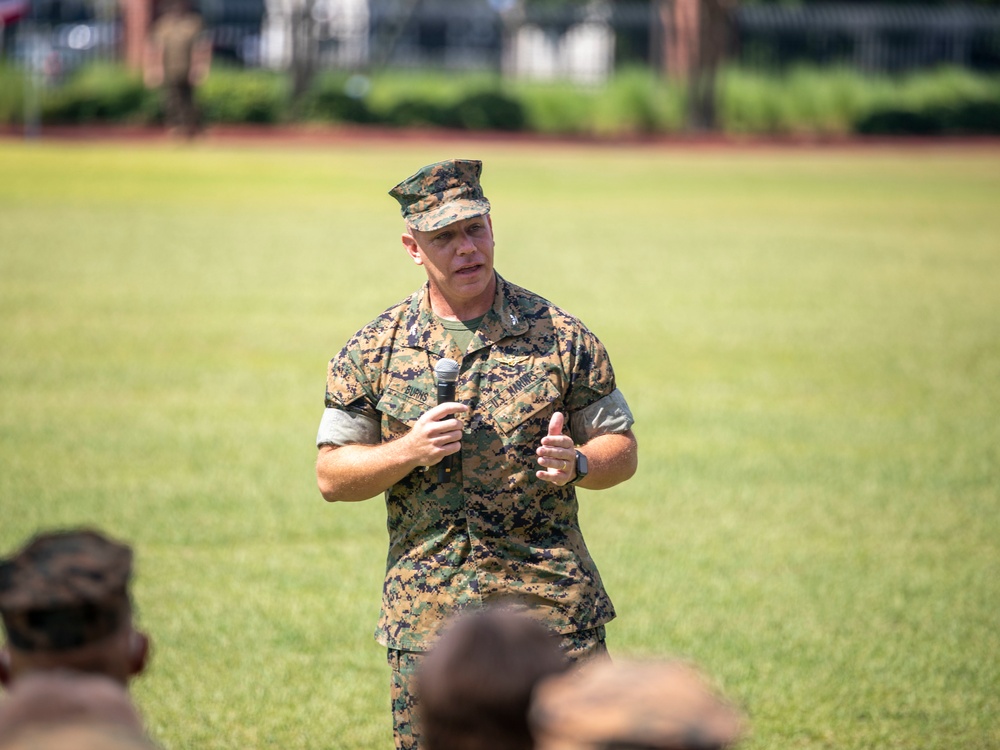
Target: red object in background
{"x":12,"y":10}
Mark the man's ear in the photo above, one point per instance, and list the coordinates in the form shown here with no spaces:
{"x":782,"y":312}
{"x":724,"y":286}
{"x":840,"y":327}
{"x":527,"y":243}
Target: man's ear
{"x":5,"y":675}
{"x":138,"y":653}
{"x":412,"y":248}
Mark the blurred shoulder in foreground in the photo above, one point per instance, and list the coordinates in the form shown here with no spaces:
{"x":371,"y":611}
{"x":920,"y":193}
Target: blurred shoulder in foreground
{"x":633,"y":705}
{"x":69,"y":710}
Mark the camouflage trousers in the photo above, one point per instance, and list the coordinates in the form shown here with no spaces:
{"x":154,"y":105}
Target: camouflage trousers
{"x":586,"y":644}
{"x":180,"y":111}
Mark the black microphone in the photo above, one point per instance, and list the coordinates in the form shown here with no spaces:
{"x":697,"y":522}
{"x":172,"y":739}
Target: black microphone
{"x":445,"y":377}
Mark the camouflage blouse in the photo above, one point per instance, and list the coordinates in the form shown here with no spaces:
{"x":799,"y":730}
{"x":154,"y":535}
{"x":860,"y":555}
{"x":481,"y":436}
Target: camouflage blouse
{"x":494,"y":530}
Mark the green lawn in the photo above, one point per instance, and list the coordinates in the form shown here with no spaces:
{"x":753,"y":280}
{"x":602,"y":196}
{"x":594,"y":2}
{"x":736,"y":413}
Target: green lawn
{"x":810,"y":342}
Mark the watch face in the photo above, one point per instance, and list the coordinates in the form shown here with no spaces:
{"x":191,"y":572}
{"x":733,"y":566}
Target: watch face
{"x":581,"y":465}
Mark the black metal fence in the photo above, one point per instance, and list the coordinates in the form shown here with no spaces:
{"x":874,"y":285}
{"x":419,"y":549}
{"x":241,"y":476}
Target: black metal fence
{"x":53,"y":37}
{"x":474,"y":34}
{"x":236,"y":28}
{"x":874,"y":38}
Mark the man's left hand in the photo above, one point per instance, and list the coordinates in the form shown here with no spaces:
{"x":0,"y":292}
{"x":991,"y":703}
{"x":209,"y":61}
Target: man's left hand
{"x":556,"y":454}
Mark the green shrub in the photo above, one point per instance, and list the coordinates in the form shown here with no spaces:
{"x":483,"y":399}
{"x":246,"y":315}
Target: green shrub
{"x":942,"y":87}
{"x":389,"y":88}
{"x":967,"y":118}
{"x":97,"y":93}
{"x":804,"y":100}
{"x":337,"y":106}
{"x":328,"y":100}
{"x":636,"y":101}
{"x":947,"y":101}
{"x":11,"y":95}
{"x":235,"y":96}
{"x":421,"y":113}
{"x":825,"y":101}
{"x":746,"y":102}
{"x":557,"y":110}
{"x":489,"y":110}
{"x":839,"y":101}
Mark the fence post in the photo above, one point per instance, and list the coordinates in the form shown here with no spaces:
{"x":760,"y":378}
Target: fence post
{"x":34,"y":79}
{"x":305,"y":50}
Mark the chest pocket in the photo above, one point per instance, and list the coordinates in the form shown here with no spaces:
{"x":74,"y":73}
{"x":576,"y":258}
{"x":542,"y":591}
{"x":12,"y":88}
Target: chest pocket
{"x":400,"y":409}
{"x":531,"y":400}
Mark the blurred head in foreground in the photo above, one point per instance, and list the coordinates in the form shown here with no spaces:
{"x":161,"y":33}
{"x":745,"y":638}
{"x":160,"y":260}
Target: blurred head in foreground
{"x":65,"y":604}
{"x":475,"y":685}
{"x":58,"y":709}
{"x":606,"y":705}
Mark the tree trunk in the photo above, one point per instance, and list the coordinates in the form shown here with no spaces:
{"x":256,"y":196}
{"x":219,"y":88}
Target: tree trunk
{"x":696,"y":39}
{"x":136,"y":17}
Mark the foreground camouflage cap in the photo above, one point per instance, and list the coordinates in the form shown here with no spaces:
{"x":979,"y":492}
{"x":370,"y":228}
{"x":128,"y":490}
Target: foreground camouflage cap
{"x":441,"y":194}
{"x":64,"y":590}
{"x":632,"y":706}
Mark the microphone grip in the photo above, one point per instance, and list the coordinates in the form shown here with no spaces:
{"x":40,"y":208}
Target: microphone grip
{"x":445,"y":393}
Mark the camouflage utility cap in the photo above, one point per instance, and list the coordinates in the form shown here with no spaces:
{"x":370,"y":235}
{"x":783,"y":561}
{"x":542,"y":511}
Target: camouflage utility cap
{"x":441,"y":194}
{"x":64,"y":590}
{"x":630,"y":705}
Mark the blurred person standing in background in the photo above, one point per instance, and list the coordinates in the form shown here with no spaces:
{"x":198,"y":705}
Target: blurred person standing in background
{"x":178,"y":58}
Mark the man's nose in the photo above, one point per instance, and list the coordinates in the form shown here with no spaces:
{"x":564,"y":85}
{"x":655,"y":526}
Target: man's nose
{"x":465,"y":244}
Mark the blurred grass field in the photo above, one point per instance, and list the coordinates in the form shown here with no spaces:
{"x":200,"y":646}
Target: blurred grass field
{"x":810,"y":341}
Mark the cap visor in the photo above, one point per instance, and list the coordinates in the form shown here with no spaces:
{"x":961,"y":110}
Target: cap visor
{"x":449,"y":213}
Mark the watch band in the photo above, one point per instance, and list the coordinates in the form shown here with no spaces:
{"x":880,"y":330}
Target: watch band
{"x":582,"y":468}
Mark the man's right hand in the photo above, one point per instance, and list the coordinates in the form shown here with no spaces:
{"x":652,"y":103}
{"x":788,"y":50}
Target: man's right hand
{"x":353,"y":472}
{"x":438,"y":433}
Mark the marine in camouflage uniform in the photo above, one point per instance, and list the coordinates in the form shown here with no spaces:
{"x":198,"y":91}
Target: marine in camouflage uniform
{"x":65,"y":604}
{"x":178,"y":57}
{"x":504,"y":525}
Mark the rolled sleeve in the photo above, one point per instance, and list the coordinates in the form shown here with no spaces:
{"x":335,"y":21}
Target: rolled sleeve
{"x":606,"y":415}
{"x":340,"y":427}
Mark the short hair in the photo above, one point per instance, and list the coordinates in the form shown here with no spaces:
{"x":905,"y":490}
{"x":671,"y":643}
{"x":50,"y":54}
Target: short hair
{"x":64,"y":590}
{"x":474,"y":686}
